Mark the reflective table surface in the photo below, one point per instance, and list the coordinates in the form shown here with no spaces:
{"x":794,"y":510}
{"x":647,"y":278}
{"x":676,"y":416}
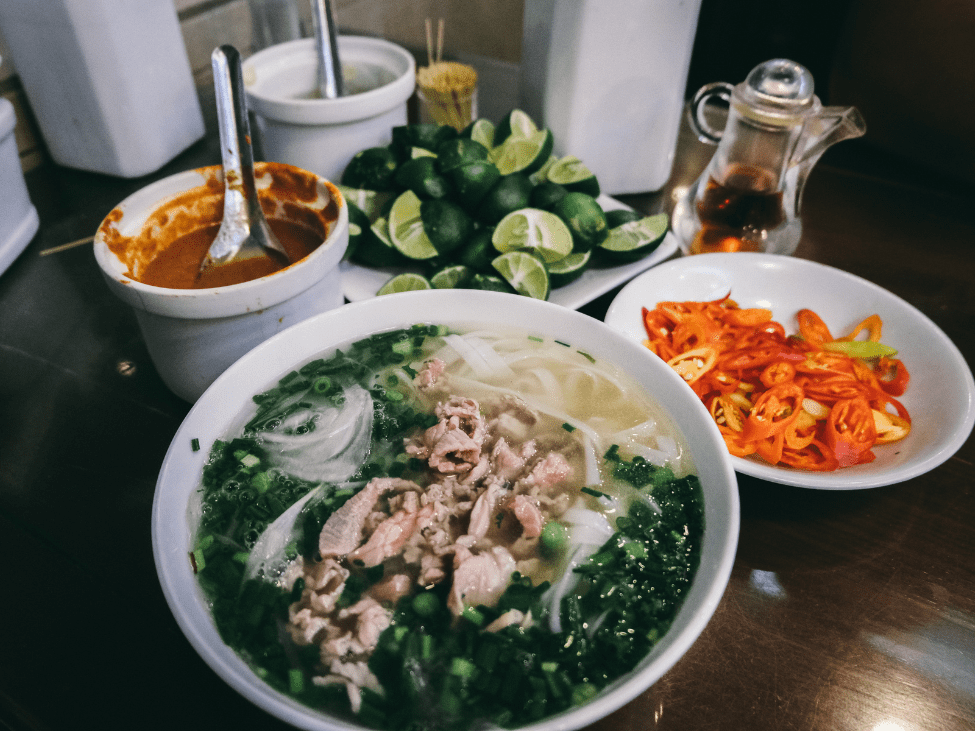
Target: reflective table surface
{"x":845,"y":610}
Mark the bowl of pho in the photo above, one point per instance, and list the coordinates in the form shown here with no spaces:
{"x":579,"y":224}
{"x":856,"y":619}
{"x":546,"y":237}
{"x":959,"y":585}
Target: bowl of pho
{"x":445,"y":510}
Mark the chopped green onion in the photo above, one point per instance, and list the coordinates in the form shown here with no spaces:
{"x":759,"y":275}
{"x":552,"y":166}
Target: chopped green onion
{"x":197,"y":560}
{"x":536,"y":338}
{"x":462,"y":667}
{"x":241,"y":557}
{"x":473,"y":616}
{"x":250,"y":460}
{"x":568,"y":427}
{"x":195,"y":444}
{"x":296,"y":681}
{"x":565,"y":345}
{"x":586,"y":356}
{"x":594,"y":493}
{"x":583,"y":693}
{"x":261,"y":482}
{"x":402,"y":347}
{"x":322,"y":384}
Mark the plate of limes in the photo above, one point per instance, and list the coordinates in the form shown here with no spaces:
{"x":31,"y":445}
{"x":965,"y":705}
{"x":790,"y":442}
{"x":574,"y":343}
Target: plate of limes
{"x":489,"y":207}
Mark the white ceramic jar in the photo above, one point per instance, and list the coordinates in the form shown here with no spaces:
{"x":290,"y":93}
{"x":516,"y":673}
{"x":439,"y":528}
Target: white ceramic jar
{"x":18,"y":217}
{"x":322,"y":135}
{"x":193,"y":335}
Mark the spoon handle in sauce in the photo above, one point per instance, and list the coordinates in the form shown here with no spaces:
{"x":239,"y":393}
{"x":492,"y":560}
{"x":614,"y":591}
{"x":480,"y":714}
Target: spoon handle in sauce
{"x":242,"y":211}
{"x":330,"y":82}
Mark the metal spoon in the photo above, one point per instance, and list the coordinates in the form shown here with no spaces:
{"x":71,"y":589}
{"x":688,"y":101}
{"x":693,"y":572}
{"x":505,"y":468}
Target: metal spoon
{"x":330,"y":82}
{"x":244,"y":231}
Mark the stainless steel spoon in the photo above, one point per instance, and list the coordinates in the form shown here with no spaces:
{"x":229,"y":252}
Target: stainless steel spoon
{"x":330,"y":82}
{"x":244,"y":231}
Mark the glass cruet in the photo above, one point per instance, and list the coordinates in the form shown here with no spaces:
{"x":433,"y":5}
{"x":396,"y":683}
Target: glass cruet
{"x":748,"y":197}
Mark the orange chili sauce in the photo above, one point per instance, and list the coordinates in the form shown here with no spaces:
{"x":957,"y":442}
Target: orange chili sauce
{"x":178,"y":265}
{"x":170,"y":247}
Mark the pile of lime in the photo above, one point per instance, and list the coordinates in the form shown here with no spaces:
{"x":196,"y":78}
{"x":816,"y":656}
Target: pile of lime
{"x":490,"y":207}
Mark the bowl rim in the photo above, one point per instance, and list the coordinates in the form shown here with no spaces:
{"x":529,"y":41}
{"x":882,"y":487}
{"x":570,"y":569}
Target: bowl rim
{"x":269,"y":361}
{"x":309,"y":112}
{"x":216,"y":302}
{"x":849,"y":478}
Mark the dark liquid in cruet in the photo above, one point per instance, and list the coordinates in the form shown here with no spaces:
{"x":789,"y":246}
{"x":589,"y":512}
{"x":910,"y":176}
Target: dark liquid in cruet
{"x":736,"y":214}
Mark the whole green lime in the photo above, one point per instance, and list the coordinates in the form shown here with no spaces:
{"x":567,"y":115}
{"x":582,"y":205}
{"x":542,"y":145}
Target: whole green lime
{"x":372,"y":169}
{"x":509,"y":194}
{"x":585,"y":219}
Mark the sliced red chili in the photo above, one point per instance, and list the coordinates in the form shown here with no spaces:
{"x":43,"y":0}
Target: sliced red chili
{"x":774,"y":411}
{"x":851,"y":431}
{"x":812,"y":328}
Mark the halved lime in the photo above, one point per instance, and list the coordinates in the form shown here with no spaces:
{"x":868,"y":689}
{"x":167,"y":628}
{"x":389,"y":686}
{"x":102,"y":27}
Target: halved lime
{"x":636,"y":239}
{"x":371,"y":169}
{"x":480,"y":130}
{"x":369,"y":201}
{"x":585,"y":219}
{"x":421,"y":176}
{"x":525,"y":155}
{"x":515,"y":123}
{"x":446,"y":224}
{"x":571,"y":173}
{"x":541,"y":175}
{"x":568,"y":268}
{"x":538,"y":231}
{"x":406,"y":228}
{"x":451,"y":277}
{"x":509,"y":194}
{"x":406,"y":282}
{"x":525,"y":272}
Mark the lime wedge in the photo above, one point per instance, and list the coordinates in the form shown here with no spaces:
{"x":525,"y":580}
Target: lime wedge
{"x":523,"y":154}
{"x":585,"y":219}
{"x":406,"y":228}
{"x":451,"y":277}
{"x":515,"y":123}
{"x":636,"y":239}
{"x":489,"y":282}
{"x":525,"y":272}
{"x":568,"y":268}
{"x":480,"y":130}
{"x":369,"y":201}
{"x":406,"y":282}
{"x":536,"y":230}
{"x":416,"y":152}
{"x":572,"y":174}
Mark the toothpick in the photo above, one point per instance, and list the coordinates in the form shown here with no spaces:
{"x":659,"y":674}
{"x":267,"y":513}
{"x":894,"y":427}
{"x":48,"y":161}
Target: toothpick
{"x":429,"y":42}
{"x":440,"y":25}
{"x":65,"y":247}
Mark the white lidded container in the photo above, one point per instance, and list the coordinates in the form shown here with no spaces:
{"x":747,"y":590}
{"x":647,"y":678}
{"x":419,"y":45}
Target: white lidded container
{"x":322,"y":135}
{"x":18,"y":217}
{"x":108,"y":80}
{"x":608,"y":78}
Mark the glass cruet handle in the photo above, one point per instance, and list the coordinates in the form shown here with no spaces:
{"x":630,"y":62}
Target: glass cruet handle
{"x":699,"y":123}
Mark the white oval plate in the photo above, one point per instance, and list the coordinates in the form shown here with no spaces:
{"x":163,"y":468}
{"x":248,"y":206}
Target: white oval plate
{"x":362,"y":283}
{"x":941,"y":395}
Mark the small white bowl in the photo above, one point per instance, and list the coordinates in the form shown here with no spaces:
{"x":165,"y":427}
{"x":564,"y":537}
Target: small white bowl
{"x":193,"y":335}
{"x":322,"y":135}
{"x":941,"y":394}
{"x":219,"y":410}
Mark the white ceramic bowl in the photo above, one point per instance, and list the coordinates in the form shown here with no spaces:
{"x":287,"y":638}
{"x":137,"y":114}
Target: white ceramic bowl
{"x":194,"y":334}
{"x":220,"y":407}
{"x":322,"y":135}
{"x":941,"y":394}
